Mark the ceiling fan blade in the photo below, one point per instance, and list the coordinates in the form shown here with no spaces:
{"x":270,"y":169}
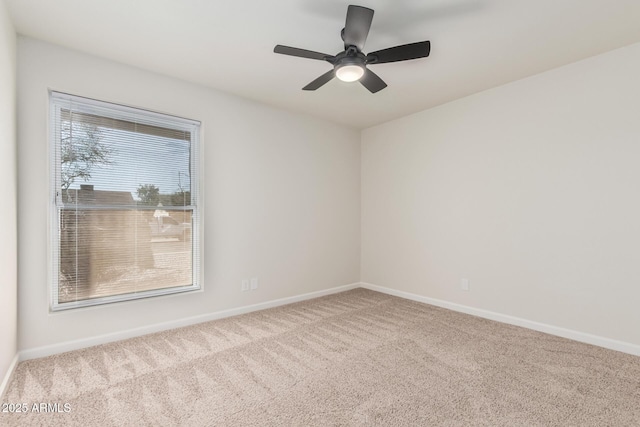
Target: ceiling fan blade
{"x":356,"y":28}
{"x":302,"y":53}
{"x":400,"y":53}
{"x":371,"y":81}
{"x":320,"y":81}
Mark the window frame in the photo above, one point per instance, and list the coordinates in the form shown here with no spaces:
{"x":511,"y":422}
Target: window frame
{"x":128,"y":113}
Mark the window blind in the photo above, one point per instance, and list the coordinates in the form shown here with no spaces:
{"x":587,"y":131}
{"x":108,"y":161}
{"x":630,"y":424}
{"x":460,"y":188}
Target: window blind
{"x":125,"y":202}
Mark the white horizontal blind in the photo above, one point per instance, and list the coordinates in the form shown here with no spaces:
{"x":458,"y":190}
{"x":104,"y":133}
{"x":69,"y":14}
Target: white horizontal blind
{"x":125,"y":202}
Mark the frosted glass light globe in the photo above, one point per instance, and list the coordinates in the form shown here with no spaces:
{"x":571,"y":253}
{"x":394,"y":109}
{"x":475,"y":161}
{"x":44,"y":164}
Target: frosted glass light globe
{"x":350,"y":73}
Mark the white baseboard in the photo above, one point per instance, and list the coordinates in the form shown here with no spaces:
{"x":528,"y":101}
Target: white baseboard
{"x":49,"y":350}
{"x":131,"y":333}
{"x":9,"y":375}
{"x":609,"y":343}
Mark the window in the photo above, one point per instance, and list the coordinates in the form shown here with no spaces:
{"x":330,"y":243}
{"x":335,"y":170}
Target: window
{"x":124,"y":191}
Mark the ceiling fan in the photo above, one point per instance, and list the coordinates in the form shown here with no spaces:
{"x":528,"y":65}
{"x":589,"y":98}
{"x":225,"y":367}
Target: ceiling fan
{"x":350,"y":65}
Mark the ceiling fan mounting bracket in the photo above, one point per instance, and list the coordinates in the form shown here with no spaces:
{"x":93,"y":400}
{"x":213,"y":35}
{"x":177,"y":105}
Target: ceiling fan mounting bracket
{"x":371,"y":59}
{"x":330,"y":59}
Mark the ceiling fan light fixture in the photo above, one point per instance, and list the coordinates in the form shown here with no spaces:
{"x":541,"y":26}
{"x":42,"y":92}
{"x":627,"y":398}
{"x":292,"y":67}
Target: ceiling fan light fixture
{"x":349,"y":72}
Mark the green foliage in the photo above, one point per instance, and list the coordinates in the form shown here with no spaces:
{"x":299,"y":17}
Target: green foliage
{"x":82,"y":149}
{"x":149,"y":194}
{"x":180,"y":198}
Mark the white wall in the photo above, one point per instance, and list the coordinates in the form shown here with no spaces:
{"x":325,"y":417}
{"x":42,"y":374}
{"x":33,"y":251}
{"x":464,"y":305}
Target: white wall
{"x":281,"y":195}
{"x":530,"y":190}
{"x":8,"y":207}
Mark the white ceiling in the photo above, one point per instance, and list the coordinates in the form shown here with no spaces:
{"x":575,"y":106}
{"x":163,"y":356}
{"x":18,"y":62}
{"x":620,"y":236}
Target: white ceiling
{"x":228,"y":45}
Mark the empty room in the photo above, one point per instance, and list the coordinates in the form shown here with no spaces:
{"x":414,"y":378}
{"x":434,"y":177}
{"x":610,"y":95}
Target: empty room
{"x":320,"y":213}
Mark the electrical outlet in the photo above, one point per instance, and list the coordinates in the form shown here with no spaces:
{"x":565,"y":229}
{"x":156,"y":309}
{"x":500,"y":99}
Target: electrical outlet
{"x":464,"y":284}
{"x":245,"y":285}
{"x":254,"y":283}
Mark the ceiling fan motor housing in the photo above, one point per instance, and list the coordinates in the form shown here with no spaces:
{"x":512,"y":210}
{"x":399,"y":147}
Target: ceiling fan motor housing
{"x":351,"y":56}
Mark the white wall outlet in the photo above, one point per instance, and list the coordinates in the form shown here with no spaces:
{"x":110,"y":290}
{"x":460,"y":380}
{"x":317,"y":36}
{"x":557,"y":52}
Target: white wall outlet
{"x":245,"y":285}
{"x":254,"y":283}
{"x":464,"y":284}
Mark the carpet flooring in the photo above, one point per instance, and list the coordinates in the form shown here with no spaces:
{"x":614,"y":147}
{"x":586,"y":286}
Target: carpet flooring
{"x":354,"y":358}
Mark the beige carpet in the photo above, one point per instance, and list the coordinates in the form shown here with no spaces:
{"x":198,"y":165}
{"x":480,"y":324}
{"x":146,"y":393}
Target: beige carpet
{"x":355,"y":358}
